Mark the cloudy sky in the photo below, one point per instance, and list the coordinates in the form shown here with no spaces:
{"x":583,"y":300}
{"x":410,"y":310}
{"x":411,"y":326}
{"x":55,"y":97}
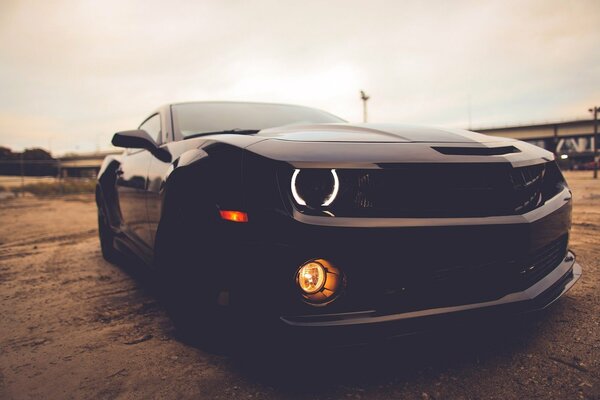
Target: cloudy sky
{"x":73,"y":73}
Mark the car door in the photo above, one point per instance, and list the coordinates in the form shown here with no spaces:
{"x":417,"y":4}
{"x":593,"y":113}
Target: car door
{"x":132,"y":185}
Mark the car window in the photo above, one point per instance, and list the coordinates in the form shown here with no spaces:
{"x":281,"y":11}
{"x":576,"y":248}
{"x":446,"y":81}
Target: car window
{"x":152,"y":126}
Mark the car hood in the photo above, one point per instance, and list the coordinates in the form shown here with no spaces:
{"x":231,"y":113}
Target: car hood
{"x":372,"y":145}
{"x":374,"y":133}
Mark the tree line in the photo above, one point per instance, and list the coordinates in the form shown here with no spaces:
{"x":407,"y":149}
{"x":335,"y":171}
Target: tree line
{"x":29,"y":162}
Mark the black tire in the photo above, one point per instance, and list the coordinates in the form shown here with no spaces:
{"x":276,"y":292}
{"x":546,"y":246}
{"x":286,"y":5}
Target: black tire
{"x":195,"y":311}
{"x":107,"y":237}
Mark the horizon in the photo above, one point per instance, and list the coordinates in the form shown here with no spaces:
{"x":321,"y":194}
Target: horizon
{"x":112,"y":149}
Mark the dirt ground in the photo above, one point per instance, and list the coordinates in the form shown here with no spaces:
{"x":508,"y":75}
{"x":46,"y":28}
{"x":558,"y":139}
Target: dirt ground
{"x":74,"y":326}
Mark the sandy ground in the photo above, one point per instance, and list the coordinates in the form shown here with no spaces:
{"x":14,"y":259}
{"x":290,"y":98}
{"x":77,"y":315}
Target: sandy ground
{"x":75,"y":326}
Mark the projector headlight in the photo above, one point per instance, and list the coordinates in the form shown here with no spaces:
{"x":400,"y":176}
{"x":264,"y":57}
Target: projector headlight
{"x":315,"y":188}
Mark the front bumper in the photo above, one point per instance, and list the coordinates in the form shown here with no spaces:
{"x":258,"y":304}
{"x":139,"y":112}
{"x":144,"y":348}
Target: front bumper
{"x":444,"y":264}
{"x":365,"y":325}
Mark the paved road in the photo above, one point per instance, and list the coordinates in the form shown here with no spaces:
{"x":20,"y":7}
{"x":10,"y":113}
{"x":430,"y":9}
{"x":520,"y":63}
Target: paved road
{"x":75,"y":326}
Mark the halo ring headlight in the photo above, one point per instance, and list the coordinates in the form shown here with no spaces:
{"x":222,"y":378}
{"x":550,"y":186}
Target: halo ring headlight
{"x":327,"y":198}
{"x":336,"y":189}
{"x":297,"y":197}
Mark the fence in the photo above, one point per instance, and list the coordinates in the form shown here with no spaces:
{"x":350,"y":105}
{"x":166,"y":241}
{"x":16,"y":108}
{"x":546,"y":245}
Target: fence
{"x":45,"y":177}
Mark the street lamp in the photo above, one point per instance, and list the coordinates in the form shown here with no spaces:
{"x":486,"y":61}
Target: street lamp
{"x":595,"y":111}
{"x":364,"y":98}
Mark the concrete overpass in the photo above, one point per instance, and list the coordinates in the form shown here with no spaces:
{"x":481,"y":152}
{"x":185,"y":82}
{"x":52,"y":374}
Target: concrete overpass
{"x":82,"y":165}
{"x":573,"y":138}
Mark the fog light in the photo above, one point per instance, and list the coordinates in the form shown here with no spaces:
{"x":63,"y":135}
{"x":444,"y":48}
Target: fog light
{"x":311,"y":277}
{"x":319,"y":281}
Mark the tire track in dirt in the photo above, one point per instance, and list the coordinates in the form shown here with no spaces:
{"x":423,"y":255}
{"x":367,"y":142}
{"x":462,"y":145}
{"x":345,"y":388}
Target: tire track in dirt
{"x":51,"y":239}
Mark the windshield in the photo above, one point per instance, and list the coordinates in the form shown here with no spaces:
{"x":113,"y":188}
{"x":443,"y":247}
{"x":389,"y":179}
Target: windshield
{"x":195,"y":118}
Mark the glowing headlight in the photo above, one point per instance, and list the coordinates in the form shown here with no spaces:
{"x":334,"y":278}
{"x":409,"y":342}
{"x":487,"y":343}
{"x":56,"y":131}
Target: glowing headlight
{"x":319,"y":281}
{"x":311,"y":277}
{"x":315,"y":187}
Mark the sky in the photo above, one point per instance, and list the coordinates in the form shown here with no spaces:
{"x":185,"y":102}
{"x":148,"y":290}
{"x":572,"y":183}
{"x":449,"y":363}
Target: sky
{"x":74,"y":72}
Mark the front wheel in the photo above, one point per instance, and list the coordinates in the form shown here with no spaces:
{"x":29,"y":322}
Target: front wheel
{"x":191,"y":282}
{"x":194,"y":308}
{"x":107,"y":236}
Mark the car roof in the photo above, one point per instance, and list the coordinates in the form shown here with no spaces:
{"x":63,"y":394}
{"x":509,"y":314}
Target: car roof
{"x":237,"y":102}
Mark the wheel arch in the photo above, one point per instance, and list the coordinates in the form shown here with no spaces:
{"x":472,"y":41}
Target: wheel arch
{"x":199,"y":183}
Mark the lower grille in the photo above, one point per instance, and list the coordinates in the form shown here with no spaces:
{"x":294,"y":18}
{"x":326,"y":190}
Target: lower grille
{"x":475,"y":283}
{"x":543,"y":262}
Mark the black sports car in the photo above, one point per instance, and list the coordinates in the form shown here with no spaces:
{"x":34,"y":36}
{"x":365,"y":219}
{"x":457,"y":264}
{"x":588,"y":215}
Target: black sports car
{"x":287,"y":216}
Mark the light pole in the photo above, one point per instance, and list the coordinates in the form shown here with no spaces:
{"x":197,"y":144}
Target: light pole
{"x":22,"y":175}
{"x":364,"y":98}
{"x":595,"y":111}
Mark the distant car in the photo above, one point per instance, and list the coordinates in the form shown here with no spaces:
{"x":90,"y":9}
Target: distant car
{"x":285,"y":216}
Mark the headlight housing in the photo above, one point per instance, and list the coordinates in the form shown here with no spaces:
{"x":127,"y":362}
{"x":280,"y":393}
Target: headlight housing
{"x":315,"y":188}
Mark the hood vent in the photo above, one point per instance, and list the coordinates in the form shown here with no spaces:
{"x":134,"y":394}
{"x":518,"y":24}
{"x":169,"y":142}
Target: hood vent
{"x":477,"y":151}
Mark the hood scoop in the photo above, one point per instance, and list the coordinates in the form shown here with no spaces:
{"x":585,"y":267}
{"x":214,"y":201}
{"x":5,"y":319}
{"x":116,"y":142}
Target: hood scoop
{"x":476,"y":151}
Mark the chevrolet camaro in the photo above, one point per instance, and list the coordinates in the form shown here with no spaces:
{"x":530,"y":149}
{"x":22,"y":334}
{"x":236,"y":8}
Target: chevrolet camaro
{"x":288,"y":217}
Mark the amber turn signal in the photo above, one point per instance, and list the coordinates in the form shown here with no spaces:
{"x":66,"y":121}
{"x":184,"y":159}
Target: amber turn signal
{"x":235,"y":216}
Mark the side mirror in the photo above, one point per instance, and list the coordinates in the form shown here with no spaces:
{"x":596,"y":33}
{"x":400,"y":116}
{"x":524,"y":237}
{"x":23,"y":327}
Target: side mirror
{"x":140,"y":139}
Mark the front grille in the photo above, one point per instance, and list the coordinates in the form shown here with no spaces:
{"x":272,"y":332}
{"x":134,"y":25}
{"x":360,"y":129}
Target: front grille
{"x":443,"y":190}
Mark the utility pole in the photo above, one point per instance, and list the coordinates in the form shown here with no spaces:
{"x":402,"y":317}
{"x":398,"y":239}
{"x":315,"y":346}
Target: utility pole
{"x":595,"y":111}
{"x":22,"y":175}
{"x":555,"y":142}
{"x":364,"y":98}
{"x":469,"y":112}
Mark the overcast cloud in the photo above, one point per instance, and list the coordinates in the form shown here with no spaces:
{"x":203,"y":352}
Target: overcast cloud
{"x":73,"y":73}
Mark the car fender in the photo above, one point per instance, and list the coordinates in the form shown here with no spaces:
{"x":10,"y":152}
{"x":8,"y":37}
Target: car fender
{"x":199,"y":183}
